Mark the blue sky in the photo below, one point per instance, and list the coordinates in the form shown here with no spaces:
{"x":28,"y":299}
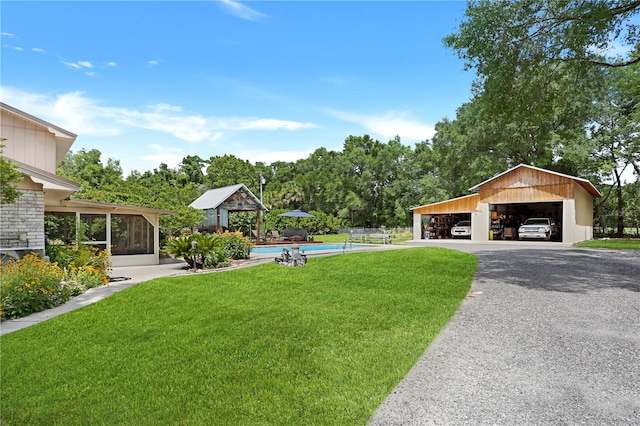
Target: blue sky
{"x":154,"y":81}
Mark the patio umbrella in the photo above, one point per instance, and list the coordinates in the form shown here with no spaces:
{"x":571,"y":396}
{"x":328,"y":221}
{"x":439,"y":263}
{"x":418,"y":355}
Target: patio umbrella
{"x":296,"y":213}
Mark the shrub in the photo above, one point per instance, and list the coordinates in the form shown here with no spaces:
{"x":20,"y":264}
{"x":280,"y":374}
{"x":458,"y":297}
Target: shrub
{"x":236,"y":245}
{"x":86,"y":266}
{"x":212,"y":250}
{"x":86,"y":277}
{"x":216,"y":259}
{"x":30,"y":285}
{"x":180,"y":247}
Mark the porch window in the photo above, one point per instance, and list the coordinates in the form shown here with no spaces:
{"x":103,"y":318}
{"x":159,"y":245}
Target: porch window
{"x":131,"y":234}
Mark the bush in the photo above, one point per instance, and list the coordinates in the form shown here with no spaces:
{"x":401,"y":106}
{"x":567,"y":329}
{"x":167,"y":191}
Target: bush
{"x":215,"y":259}
{"x":236,"y":245}
{"x":212,"y":250}
{"x":30,"y":285}
{"x":86,"y":266}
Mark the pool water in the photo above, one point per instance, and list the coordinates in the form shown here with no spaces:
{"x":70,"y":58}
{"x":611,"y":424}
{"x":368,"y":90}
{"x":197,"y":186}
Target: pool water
{"x":305,"y":248}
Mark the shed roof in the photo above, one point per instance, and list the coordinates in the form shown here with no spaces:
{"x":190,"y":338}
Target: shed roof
{"x":216,"y":197}
{"x":588,"y":186}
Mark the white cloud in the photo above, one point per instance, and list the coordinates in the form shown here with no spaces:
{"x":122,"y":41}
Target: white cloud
{"x":269,"y":157}
{"x":82,"y":115}
{"x":152,"y":63}
{"x":270,"y":124}
{"x":111,"y":64}
{"x":165,"y":107}
{"x":78,"y":65}
{"x":39,"y":50}
{"x":8,"y":35}
{"x":71,"y":111}
{"x":172,"y":157}
{"x":241,"y":11}
{"x":389,"y":125}
{"x":18,"y":48}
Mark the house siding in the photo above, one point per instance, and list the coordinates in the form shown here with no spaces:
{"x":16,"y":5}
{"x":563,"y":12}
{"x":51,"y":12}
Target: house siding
{"x":31,"y":144}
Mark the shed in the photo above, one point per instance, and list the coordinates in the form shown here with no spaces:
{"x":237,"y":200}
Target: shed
{"x":217,"y":203}
{"x":502,"y":203}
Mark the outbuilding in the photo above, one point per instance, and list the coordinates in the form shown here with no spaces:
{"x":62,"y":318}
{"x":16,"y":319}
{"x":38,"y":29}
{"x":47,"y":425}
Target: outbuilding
{"x":502,"y":203}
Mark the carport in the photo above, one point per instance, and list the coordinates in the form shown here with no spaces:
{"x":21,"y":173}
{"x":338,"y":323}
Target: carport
{"x":502,"y":203}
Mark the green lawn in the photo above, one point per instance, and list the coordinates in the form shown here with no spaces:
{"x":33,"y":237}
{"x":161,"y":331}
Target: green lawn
{"x":615,"y":244}
{"x":321,"y":344}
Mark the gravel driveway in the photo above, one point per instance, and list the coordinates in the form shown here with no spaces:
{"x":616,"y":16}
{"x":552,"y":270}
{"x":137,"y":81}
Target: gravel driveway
{"x":547,"y":336}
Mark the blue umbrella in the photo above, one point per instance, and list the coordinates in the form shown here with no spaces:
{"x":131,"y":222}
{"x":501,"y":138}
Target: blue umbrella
{"x":296,"y":213}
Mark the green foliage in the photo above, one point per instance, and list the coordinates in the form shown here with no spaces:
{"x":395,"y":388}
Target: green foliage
{"x":180,"y":247}
{"x":9,"y":176}
{"x":236,"y":245}
{"x":86,"y":266}
{"x":86,"y":167}
{"x":30,"y":285}
{"x":321,"y":223}
{"x":229,"y":170}
{"x":319,"y":345}
{"x":215,"y":259}
{"x":211,"y":250}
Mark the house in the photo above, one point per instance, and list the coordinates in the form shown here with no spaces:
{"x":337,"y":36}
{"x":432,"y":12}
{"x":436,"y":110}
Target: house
{"x":37,"y":148}
{"x":217,"y":203}
{"x":502,"y":203}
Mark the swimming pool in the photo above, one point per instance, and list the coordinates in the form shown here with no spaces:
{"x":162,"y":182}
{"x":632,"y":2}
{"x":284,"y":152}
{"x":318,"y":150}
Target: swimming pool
{"x":305,"y":248}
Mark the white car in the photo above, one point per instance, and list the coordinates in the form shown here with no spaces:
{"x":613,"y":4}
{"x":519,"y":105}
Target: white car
{"x":538,"y":228}
{"x":462,"y":229}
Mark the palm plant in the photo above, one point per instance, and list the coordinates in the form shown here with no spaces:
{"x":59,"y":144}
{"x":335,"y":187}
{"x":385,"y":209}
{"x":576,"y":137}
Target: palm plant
{"x":181,"y":247}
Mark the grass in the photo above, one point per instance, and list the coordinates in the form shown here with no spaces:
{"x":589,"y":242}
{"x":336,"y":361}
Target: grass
{"x":321,"y":344}
{"x":614,"y":244}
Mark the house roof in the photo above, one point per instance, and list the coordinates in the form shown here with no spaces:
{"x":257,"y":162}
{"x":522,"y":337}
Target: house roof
{"x":216,"y":197}
{"x":588,"y":186}
{"x":48,"y":180}
{"x":113,"y":208}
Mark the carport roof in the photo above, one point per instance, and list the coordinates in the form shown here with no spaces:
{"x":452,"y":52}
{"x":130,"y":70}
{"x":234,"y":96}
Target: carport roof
{"x":588,"y":186}
{"x":464,"y":204}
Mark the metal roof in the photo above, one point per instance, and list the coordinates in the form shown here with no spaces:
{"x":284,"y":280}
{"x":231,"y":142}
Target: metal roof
{"x":214,"y":198}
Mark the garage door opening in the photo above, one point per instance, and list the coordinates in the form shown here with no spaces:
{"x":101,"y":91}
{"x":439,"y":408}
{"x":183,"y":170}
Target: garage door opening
{"x":505,"y":219}
{"x":438,"y":226}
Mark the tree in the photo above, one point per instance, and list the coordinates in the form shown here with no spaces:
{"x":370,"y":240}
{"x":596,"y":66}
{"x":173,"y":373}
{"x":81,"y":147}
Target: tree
{"x":499,"y":36}
{"x":191,"y":168}
{"x":229,"y":170}
{"x":86,"y":167}
{"x":9,"y":176}
{"x":615,"y":133}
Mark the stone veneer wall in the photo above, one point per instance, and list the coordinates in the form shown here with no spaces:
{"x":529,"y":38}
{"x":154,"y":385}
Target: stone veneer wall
{"x":22,"y":224}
